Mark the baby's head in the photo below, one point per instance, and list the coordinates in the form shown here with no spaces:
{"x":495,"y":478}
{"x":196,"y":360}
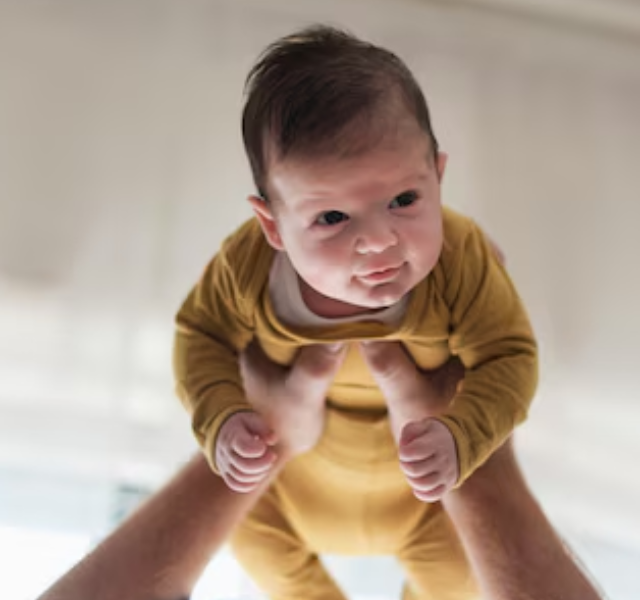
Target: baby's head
{"x":347,"y":168}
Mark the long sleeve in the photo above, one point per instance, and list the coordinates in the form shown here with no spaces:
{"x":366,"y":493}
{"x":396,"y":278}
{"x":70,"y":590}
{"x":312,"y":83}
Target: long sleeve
{"x":492,"y":336}
{"x":214,"y":324}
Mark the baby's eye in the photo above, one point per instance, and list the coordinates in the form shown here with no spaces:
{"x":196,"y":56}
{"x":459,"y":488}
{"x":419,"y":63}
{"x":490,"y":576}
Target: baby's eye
{"x":403,"y":200}
{"x":331,"y":217}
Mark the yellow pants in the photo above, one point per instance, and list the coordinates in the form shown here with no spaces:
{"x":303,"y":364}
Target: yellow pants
{"x":349,"y":496}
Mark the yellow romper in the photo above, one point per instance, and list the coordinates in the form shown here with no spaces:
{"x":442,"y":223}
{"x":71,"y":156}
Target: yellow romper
{"x":348,"y":495}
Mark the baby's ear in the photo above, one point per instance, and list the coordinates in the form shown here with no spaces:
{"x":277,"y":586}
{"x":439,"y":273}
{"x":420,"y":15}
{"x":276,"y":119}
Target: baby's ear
{"x":265,"y":216}
{"x":441,"y":164}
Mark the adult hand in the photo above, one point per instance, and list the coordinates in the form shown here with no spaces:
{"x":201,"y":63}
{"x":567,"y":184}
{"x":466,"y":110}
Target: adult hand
{"x":427,"y":448}
{"x":412,"y":394}
{"x":292,"y":399}
{"x":415,"y":398}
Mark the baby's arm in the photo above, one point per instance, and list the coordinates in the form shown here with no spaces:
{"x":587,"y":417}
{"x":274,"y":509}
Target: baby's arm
{"x":214,"y":324}
{"x":492,"y":336}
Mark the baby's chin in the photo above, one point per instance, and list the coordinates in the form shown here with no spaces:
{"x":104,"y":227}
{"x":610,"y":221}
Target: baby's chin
{"x":380,"y":297}
{"x":354,"y":300}
{"x":384,"y":300}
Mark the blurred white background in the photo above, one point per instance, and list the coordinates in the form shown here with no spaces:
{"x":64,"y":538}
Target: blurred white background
{"x":121,"y":169}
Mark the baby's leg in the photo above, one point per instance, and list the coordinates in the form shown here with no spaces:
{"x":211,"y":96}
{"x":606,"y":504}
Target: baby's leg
{"x":435,"y":562}
{"x":276,"y":558}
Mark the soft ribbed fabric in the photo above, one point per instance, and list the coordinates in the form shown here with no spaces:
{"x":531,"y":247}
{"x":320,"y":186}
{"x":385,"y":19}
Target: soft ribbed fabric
{"x":467,"y":306}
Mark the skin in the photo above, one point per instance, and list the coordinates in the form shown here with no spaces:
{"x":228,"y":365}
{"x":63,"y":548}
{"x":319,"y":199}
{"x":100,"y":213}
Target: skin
{"x":513,"y":549}
{"x":162,"y":549}
{"x":343,"y":223}
{"x":361,"y":233}
{"x":249,"y":443}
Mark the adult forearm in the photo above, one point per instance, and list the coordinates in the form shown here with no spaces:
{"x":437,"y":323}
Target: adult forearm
{"x":513,"y":549}
{"x":162,"y":549}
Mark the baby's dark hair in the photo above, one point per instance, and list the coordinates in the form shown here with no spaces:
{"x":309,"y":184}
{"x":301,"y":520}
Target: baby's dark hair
{"x":323,"y":92}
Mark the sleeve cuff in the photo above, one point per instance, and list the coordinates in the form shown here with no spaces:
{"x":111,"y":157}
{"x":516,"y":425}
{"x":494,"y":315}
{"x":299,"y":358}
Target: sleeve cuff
{"x":463,"y":449}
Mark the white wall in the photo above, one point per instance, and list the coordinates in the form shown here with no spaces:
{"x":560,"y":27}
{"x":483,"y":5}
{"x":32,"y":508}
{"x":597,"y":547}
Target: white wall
{"x":121,"y":168}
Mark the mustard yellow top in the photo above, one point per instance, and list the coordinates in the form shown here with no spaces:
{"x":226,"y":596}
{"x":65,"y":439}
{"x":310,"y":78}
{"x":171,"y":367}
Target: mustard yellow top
{"x":466,"y":307}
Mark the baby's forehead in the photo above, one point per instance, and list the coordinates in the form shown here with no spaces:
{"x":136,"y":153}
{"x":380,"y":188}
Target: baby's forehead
{"x":380,"y":172}
{"x":402,"y":146}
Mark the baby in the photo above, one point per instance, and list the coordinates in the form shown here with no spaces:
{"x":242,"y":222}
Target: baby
{"x":350,"y":243}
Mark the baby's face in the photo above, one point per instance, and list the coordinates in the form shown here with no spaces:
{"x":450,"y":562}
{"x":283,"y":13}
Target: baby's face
{"x":361,"y":232}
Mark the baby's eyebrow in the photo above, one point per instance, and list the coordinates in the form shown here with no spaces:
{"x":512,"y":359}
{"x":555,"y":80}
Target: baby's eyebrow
{"x":405,"y":184}
{"x":422,"y":175}
{"x":413,"y":178}
{"x":311,"y":201}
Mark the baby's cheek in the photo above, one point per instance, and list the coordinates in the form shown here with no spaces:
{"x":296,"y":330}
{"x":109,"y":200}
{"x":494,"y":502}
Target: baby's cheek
{"x":319,"y":272}
{"x":330,"y":259}
{"x":426,"y":250}
{"x":324,"y":265}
